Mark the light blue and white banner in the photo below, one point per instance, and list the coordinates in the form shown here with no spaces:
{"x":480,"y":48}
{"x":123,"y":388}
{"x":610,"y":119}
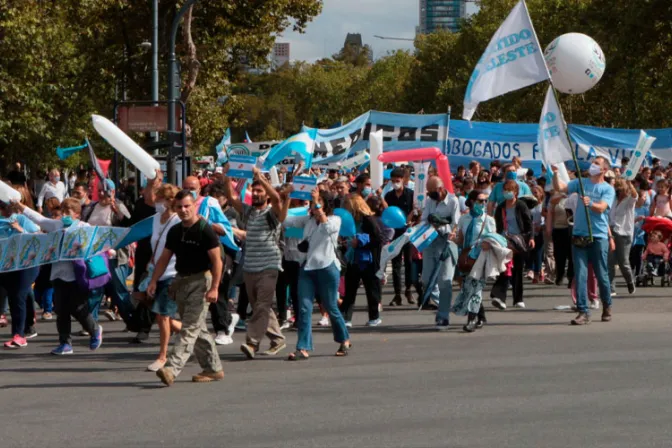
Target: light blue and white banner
{"x":242,"y":167}
{"x":303,"y":187}
{"x":642,"y":149}
{"x":421,"y":236}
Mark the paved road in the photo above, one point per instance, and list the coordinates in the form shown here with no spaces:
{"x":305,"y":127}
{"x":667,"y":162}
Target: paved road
{"x":527,"y":380}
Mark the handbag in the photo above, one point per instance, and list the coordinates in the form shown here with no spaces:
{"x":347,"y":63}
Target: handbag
{"x":516,"y":243}
{"x":581,"y":241}
{"x":464,"y":262}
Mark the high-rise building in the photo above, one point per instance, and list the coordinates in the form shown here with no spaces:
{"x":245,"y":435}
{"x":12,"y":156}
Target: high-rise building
{"x":441,"y":14}
{"x":280,"y":54}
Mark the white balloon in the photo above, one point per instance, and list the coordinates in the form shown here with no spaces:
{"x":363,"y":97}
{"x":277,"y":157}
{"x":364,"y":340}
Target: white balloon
{"x":576,"y":63}
{"x":126,"y":146}
{"x":8,"y":194}
{"x":376,"y":141}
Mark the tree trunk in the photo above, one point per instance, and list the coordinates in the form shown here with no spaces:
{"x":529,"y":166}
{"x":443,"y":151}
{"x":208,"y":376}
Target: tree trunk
{"x":193,"y":64}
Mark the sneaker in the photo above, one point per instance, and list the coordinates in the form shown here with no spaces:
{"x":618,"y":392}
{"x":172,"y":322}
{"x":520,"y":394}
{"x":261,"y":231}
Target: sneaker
{"x":223,"y":338}
{"x":631,"y":288}
{"x":31,"y":333}
{"x":235,"y":318}
{"x":156,"y":366}
{"x":275,"y":349}
{"x":606,"y":314}
{"x":16,"y":342}
{"x":166,"y":376}
{"x":348,"y":324}
{"x":140,"y":337}
{"x":208,"y":377}
{"x":548,"y":281}
{"x":396,"y":301}
{"x":442,"y":325}
{"x":581,"y":319}
{"x":520,"y":305}
{"x":47,"y":316}
{"x":285,"y":325}
{"x":110,"y":315}
{"x":96,"y":339}
{"x":613,"y":294}
{"x":498,"y":304}
{"x":3,"y":321}
{"x":324,"y":322}
{"x":63,"y":349}
{"x":409,"y":297}
{"x":240,"y":325}
{"x":249,"y":350}
{"x":594,"y":304}
{"x":83,"y":333}
{"x":374,"y":322}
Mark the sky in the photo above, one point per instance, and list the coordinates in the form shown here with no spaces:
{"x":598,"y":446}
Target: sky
{"x":325,"y":35}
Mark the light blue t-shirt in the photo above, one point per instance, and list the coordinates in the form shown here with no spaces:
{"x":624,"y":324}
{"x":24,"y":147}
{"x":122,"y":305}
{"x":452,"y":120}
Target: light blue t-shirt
{"x":497,"y":194}
{"x":639,"y":233}
{"x":602,"y":192}
{"x":511,"y":221}
{"x":6,"y":230}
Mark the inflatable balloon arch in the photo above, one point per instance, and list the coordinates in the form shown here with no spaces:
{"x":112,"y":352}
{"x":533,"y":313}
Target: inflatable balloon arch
{"x":420,"y":155}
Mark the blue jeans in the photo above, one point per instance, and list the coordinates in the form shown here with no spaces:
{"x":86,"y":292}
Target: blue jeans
{"x":95,"y":299}
{"x":117,"y":290}
{"x":45,"y":298}
{"x":430,"y":260}
{"x":323,"y":283}
{"x":19,"y":285}
{"x":597,"y":254}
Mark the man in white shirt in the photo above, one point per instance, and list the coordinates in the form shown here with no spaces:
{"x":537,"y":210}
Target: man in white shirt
{"x":52,"y":189}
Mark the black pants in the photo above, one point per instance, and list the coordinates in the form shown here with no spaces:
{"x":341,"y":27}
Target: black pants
{"x":243,"y":301}
{"x":406,"y":253}
{"x":371,"y":286}
{"x":142,"y":318}
{"x":562,"y":249}
{"x":219,"y":311}
{"x":516,"y":279}
{"x":636,"y":259}
{"x":289,"y":277}
{"x":70,"y":300}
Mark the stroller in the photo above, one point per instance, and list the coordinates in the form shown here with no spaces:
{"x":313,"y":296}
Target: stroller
{"x":656,"y":266}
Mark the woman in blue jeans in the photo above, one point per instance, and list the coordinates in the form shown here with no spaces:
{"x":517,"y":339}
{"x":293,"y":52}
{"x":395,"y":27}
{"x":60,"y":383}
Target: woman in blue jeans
{"x":320,"y":273}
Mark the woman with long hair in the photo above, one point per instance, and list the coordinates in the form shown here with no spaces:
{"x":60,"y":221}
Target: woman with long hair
{"x":320,"y":273}
{"x":163,"y":306}
{"x":363,"y":258}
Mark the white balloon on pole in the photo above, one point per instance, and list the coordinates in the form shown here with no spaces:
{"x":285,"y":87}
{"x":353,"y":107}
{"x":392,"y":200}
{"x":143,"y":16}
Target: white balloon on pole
{"x":8,"y":194}
{"x":376,"y":141}
{"x":126,"y":146}
{"x":576,"y":63}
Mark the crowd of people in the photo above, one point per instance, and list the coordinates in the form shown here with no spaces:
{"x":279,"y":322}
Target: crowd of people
{"x":501,"y":223}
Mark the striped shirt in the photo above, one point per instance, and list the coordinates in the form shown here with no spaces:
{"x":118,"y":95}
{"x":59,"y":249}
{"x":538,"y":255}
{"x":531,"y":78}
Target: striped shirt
{"x":262,"y":251}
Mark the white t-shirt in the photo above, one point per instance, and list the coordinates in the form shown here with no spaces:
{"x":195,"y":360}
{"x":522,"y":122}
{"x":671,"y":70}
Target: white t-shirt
{"x":161,"y":231}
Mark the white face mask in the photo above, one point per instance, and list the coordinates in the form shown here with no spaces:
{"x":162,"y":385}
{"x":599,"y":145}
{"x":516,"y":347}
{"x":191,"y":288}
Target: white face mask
{"x":595,"y":170}
{"x":398,"y":185}
{"x":160,"y":207}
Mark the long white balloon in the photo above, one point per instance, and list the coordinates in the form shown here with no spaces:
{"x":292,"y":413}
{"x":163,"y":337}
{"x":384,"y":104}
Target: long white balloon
{"x":376,"y":140}
{"x":8,"y":194}
{"x":126,"y":146}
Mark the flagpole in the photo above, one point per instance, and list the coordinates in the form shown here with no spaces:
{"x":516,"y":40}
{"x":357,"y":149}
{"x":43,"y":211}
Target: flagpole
{"x":576,"y":162}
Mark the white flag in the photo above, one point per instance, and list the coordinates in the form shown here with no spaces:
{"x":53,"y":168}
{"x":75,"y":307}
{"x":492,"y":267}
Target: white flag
{"x":552,"y":140}
{"x":638,"y":156}
{"x":513,"y":60}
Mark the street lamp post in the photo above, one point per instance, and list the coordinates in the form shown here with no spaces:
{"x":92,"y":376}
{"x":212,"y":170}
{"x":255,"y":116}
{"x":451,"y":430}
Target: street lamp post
{"x":172,"y":91}
{"x":155,"y":56}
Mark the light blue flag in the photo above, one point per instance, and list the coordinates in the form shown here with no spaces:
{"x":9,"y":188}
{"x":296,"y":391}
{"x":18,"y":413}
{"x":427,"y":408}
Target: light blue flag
{"x":64,"y":153}
{"x":247,"y":138}
{"x":301,"y":144}
{"x":221,"y":148}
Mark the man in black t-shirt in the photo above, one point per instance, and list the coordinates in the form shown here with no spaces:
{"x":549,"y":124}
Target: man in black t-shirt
{"x":401,"y":197}
{"x":198,"y":263}
{"x":16,"y":176}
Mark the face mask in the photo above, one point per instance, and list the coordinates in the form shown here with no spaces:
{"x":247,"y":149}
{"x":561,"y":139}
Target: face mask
{"x":57,"y":178}
{"x":366,"y":192}
{"x":595,"y":170}
{"x":508,"y":195}
{"x":659,"y":178}
{"x":194,"y":194}
{"x":67,"y":221}
{"x":82,"y":201}
{"x":478,"y":209}
{"x":511,"y":175}
{"x":398,"y":185}
{"x":160,"y":207}
{"x":434,"y":195}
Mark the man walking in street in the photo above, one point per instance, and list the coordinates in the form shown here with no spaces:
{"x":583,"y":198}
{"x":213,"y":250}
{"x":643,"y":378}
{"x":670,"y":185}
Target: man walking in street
{"x":262,"y":261}
{"x":199,"y":268}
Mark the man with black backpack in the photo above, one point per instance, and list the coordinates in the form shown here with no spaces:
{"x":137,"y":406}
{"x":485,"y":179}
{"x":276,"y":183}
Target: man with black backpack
{"x":263,"y":261}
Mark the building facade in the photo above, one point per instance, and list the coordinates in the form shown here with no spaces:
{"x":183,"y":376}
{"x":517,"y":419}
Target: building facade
{"x":441,"y":14}
{"x":280,"y":54}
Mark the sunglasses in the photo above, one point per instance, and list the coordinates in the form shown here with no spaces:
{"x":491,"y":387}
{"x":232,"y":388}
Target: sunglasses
{"x":481,"y":201}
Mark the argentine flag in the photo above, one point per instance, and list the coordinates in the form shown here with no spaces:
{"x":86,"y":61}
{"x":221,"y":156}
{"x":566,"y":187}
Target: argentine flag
{"x":421,"y":236}
{"x":221,"y":147}
{"x":301,"y":144}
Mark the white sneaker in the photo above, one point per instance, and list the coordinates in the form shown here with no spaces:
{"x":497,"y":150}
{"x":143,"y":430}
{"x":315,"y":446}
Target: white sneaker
{"x":594,"y":304}
{"x":223,"y":339}
{"x":498,"y":304}
{"x":110,"y":315}
{"x":374,"y":322}
{"x":519,"y":305}
{"x":348,"y":324}
{"x":613,"y":294}
{"x":285,"y":325}
{"x":324,"y":322}
{"x":232,"y":326}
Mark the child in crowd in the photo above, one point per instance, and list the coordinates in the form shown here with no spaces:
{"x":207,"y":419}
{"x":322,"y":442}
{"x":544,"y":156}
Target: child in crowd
{"x":661,"y":204}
